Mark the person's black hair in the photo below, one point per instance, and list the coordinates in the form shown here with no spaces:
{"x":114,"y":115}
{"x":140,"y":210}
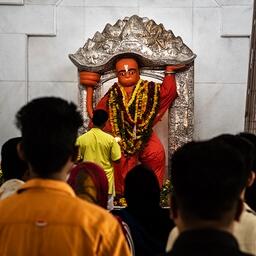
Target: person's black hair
{"x":207,"y":179}
{"x":252,"y":139}
{"x":250,"y":192}
{"x":100,"y":117}
{"x":141,"y":188}
{"x":12,"y":166}
{"x":243,"y":146}
{"x":49,"y":128}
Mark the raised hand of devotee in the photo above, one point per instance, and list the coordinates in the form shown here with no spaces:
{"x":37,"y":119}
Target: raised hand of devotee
{"x":89,"y":80}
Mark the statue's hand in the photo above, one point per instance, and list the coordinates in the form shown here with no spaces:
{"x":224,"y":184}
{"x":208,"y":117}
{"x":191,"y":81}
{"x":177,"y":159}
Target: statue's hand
{"x":174,"y":68}
{"x":89,"y":78}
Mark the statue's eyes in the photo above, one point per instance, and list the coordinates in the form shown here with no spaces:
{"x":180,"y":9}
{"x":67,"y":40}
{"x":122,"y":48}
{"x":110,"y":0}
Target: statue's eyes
{"x":130,"y":72}
{"x":122,"y":73}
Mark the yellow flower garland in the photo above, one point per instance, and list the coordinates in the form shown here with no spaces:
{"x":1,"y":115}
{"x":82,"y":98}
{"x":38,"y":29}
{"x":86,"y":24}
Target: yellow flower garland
{"x":132,"y":121}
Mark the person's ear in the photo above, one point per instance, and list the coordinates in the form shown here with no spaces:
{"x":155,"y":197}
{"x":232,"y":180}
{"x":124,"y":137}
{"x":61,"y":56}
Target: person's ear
{"x":251,"y":179}
{"x":239,"y":209}
{"x":174,"y":207}
{"x":20,"y":151}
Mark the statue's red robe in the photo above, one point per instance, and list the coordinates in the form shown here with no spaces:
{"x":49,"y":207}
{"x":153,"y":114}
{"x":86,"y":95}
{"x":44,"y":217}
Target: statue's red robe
{"x":152,"y":154}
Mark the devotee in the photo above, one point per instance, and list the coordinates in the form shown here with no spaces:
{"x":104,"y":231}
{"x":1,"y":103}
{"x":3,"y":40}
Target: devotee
{"x":134,"y":107}
{"x":13,"y":168}
{"x":245,"y":229}
{"x":250,"y":193}
{"x":90,"y":183}
{"x":101,"y":148}
{"x":45,"y":217}
{"x":149,"y":223}
{"x":208,"y":178}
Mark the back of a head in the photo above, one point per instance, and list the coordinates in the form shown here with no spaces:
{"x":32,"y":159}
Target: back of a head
{"x":252,"y":139}
{"x":100,"y":117}
{"x":12,"y":166}
{"x":250,"y":193}
{"x":49,"y":128}
{"x":90,"y":182}
{"x":141,"y":188}
{"x":207,"y":179}
{"x":243,"y":146}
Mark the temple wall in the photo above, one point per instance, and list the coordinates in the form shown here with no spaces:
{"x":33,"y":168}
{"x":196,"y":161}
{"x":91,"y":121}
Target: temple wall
{"x":36,"y":37}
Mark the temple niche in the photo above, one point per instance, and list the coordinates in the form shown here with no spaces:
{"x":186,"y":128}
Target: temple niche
{"x":154,"y":47}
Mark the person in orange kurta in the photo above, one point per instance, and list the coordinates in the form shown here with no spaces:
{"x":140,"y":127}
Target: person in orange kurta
{"x":45,"y":217}
{"x":134,"y":107}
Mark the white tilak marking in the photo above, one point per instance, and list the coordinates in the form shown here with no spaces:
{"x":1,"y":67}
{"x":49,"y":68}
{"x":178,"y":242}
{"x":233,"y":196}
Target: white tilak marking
{"x":126,"y":67}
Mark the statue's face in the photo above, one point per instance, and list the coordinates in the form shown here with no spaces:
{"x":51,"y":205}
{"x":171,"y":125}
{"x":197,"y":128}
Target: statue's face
{"x":127,"y":72}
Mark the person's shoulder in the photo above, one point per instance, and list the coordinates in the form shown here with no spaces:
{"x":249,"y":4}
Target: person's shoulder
{"x":9,"y":204}
{"x":82,"y":136}
{"x":248,"y":217}
{"x":107,"y":135}
{"x":9,"y":200}
{"x":10,"y":187}
{"x":249,"y":210}
{"x":92,"y":212}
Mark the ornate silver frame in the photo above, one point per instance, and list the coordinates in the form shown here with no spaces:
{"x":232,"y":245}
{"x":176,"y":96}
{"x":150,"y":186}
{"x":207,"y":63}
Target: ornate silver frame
{"x":155,"y":48}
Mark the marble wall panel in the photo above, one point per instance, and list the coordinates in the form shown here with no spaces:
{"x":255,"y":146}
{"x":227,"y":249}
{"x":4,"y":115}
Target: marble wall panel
{"x":219,"y":108}
{"x":48,"y":57}
{"x":11,"y":2}
{"x":42,"y":2}
{"x":12,"y":98}
{"x":220,"y":60}
{"x":12,"y":57}
{"x":72,"y":3}
{"x":234,"y":2}
{"x":229,"y":17}
{"x":165,"y":3}
{"x":28,"y":19}
{"x":65,"y":90}
{"x":234,"y":59}
{"x":97,"y":17}
{"x":113,"y":3}
{"x":205,"y":3}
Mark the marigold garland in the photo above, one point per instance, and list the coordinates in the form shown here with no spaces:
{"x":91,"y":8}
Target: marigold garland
{"x":132,"y":120}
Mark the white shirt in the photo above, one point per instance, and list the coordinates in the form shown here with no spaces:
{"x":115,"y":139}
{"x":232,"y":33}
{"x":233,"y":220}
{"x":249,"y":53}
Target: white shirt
{"x":10,"y":187}
{"x":244,"y":232}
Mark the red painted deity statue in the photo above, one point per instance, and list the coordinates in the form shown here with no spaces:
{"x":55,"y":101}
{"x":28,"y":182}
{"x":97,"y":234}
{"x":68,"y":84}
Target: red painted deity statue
{"x":134,"y":107}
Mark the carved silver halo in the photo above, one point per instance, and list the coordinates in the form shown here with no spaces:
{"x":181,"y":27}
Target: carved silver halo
{"x":152,"y":45}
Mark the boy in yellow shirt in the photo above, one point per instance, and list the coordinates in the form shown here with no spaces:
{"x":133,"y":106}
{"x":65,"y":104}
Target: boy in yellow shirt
{"x":100,"y":147}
